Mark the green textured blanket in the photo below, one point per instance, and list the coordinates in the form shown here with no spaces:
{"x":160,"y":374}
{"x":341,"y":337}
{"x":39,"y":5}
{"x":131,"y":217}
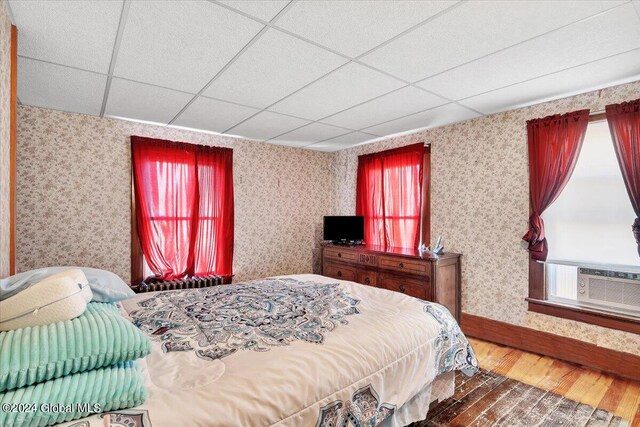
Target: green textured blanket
{"x":99,"y":337}
{"x":74,"y":396}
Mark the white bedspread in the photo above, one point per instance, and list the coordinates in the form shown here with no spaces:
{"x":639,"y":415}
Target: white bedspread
{"x":301,"y":350}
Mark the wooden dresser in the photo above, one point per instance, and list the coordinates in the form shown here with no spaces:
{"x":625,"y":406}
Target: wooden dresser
{"x":398,"y":269}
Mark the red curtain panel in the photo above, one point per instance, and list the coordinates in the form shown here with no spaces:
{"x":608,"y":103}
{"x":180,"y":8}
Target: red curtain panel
{"x":184,"y":207}
{"x":624,"y":124}
{"x":554,"y":146}
{"x":389,"y":196}
{"x":213,"y":251}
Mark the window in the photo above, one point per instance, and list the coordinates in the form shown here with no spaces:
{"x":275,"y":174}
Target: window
{"x":183,"y":210}
{"x":392,"y":195}
{"x":590,"y":221}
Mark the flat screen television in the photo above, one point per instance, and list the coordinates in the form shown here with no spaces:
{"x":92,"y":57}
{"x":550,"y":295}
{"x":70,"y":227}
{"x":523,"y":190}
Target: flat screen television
{"x":343,"y":228}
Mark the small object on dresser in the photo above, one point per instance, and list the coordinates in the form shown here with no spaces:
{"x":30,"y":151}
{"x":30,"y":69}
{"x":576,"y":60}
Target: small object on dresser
{"x":438,"y":248}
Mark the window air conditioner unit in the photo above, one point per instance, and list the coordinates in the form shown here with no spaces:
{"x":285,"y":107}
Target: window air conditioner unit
{"x":609,"y":288}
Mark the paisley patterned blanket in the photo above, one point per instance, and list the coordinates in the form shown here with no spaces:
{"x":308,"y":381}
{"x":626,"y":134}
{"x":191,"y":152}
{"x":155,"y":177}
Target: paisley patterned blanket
{"x":297,"y":350}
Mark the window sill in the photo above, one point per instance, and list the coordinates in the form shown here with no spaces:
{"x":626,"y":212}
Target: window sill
{"x":585,"y":314}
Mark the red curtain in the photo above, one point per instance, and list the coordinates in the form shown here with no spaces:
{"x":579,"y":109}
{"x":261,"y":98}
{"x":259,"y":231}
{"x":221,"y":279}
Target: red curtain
{"x":213,"y":252}
{"x":554,"y":145}
{"x":389,"y":196}
{"x":184,"y":207}
{"x":624,"y":124}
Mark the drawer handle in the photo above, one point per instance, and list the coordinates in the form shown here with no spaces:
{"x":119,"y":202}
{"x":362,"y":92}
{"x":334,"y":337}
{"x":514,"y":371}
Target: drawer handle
{"x":367,"y":281}
{"x":339,"y":255}
{"x":339,"y":273}
{"x":402,"y":289}
{"x":401,"y":265}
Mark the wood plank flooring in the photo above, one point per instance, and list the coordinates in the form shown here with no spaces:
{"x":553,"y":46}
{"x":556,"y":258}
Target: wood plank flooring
{"x":616,"y":396}
{"x":516,"y":388}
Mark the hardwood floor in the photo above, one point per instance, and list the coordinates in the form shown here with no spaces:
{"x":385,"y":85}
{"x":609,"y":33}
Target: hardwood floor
{"x":616,"y":395}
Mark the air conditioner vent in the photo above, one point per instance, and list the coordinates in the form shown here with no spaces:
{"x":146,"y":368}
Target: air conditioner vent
{"x":616,"y":289}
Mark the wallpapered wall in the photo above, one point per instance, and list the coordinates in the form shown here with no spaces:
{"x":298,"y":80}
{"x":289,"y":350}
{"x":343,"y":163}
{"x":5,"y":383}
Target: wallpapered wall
{"x":74,"y":194}
{"x":480,"y":203}
{"x":5,"y":121}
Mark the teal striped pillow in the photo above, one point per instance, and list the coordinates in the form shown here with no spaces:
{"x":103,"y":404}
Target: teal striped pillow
{"x":97,"y":338}
{"x":116,"y":387}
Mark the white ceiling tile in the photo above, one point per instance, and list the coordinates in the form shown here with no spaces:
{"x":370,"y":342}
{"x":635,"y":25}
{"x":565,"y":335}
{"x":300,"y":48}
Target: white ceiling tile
{"x":76,"y":33}
{"x":607,"y":72}
{"x":344,"y":88}
{"x":213,"y":115}
{"x":144,"y":102}
{"x":261,"y":9}
{"x":576,"y":44}
{"x":180,"y":45}
{"x":341,"y":142}
{"x":311,"y":133}
{"x":473,"y":30}
{"x":438,"y":116}
{"x":407,"y":100}
{"x":266,"y":125}
{"x":61,"y":88}
{"x":354,"y":27}
{"x":272,"y":68}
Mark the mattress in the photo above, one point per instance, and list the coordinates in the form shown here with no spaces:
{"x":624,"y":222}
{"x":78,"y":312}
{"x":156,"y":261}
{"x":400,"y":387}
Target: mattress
{"x":301,"y":350}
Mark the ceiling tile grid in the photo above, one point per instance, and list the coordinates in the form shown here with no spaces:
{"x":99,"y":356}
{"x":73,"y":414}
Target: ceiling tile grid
{"x":429,"y":119}
{"x":61,"y":88}
{"x":341,"y":89}
{"x":341,"y":142}
{"x":316,"y":74}
{"x":558,"y":50}
{"x":132,"y":99}
{"x":180,"y":45}
{"x":611,"y":71}
{"x":264,"y":10}
{"x":213,"y":115}
{"x":473,"y":30}
{"x":355,"y":27}
{"x":402,"y":102}
{"x":310,"y":134}
{"x":266,"y":125}
{"x":273,"y":67}
{"x":77,"y":34}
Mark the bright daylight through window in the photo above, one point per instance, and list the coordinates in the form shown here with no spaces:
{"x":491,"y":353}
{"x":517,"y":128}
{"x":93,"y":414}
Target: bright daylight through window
{"x":590,"y":222}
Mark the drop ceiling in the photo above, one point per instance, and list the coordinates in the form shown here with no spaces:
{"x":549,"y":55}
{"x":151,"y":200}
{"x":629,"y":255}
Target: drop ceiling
{"x":321,"y":75}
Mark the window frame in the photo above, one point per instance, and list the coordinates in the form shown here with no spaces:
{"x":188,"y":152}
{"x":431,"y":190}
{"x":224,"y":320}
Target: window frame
{"x":538,"y":300}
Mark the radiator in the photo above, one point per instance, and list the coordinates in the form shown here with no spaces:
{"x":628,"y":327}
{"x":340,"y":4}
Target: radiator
{"x":186,"y":283}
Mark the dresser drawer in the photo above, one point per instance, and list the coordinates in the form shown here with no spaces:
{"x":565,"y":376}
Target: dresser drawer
{"x":411,"y":287}
{"x":340,"y":254}
{"x":369,"y":278}
{"x":404,"y":265}
{"x":341,"y":272}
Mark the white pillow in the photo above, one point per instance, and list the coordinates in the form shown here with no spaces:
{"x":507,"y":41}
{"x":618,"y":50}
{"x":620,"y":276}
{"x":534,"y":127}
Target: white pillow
{"x":63,"y":296}
{"x":106,"y":286}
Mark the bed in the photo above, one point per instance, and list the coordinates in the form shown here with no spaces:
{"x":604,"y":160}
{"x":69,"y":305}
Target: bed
{"x":301,"y":350}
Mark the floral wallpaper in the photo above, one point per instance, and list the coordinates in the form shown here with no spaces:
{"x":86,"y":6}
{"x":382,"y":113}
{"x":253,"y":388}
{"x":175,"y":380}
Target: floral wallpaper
{"x":5,"y":121}
{"x":480,"y":206}
{"x":74,"y":195}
